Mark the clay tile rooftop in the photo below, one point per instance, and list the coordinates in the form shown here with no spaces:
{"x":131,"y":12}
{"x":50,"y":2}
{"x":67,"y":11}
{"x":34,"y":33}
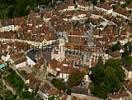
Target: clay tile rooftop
{"x":33,"y":82}
{"x":122,"y":11}
{"x":106,"y":5}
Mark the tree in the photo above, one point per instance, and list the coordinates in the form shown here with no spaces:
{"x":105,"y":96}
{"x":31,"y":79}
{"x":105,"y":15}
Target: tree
{"x":75,"y":78}
{"x":44,"y":2}
{"x":116,"y":46}
{"x":15,"y":8}
{"x":94,"y":2}
{"x":116,"y":64}
{"x":59,"y":84}
{"x":127,"y":62}
{"x":128,"y":1}
{"x":102,"y":1}
{"x":107,"y":78}
{"x":98,"y":90}
{"x":98,"y":74}
{"x":98,"y":71}
{"x":53,"y":98}
{"x":111,"y":80}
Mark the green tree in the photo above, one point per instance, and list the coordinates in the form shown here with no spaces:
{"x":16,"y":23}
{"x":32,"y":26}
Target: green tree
{"x":107,"y":78}
{"x":102,"y":0}
{"x":127,"y":61}
{"x":45,"y":2}
{"x":16,"y":8}
{"x":94,"y":2}
{"x":98,"y":74}
{"x":111,"y":80}
{"x":128,"y":1}
{"x":53,"y":98}
{"x":116,"y":64}
{"x":98,"y":90}
{"x":98,"y":71}
{"x":116,"y":46}
{"x":59,"y":84}
{"x":75,"y":78}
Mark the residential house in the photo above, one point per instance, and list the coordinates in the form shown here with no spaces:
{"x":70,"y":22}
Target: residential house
{"x":64,"y":69}
{"x":20,"y":62}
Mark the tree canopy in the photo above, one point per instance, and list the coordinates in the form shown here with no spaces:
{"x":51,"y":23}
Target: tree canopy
{"x":106,"y":78}
{"x":17,"y":8}
{"x":75,"y":78}
{"x":61,"y":85}
{"x":116,"y":46}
